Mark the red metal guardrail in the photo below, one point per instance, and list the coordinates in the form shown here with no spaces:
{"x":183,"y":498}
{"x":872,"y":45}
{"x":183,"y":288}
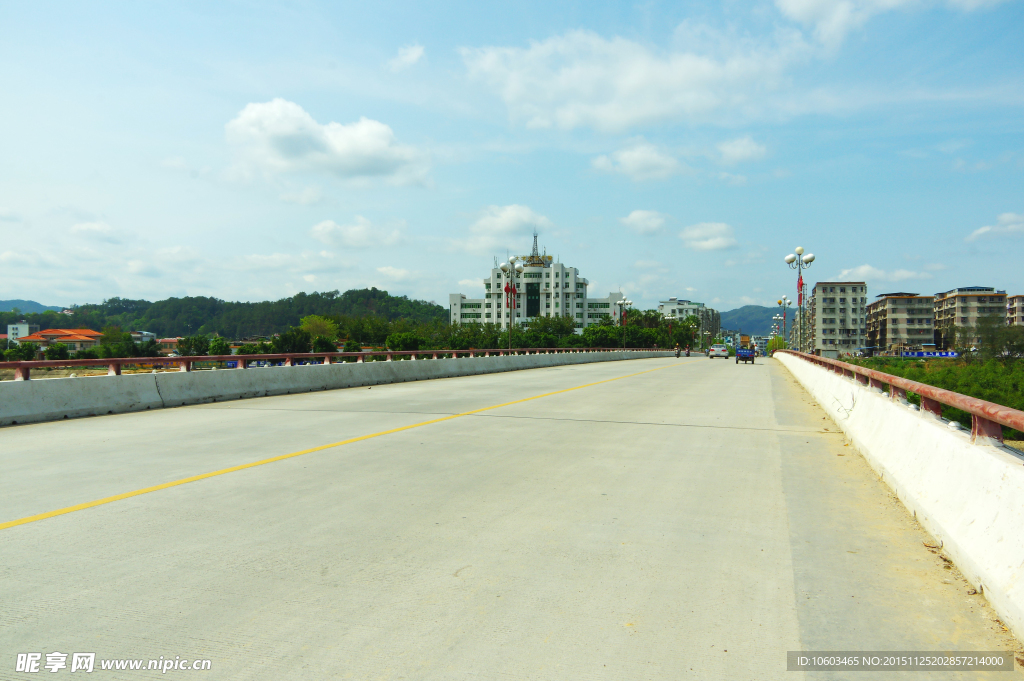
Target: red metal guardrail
{"x":986,"y":417}
{"x":22,"y":370}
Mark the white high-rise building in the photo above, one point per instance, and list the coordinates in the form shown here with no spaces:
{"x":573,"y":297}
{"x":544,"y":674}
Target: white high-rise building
{"x":546,"y":289}
{"x":837,"y":318}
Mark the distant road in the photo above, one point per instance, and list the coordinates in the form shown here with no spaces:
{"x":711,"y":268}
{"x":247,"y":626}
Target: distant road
{"x":649,"y":519}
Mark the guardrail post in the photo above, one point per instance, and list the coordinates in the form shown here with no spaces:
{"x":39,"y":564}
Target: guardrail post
{"x":359,"y":360}
{"x":21,"y":373}
{"x":982,"y":428}
{"x":389,"y":357}
{"x":288,"y":362}
{"x":931,"y":406}
{"x":434,"y":356}
{"x":114,"y":369}
{"x":413,"y":356}
{"x":242,"y":363}
{"x":897,"y":394}
{"x":875,"y":383}
{"x":861,"y":378}
{"x":185,"y":366}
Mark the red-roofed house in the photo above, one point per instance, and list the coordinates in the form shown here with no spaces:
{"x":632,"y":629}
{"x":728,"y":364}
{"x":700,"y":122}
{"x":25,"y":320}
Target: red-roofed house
{"x":75,"y":339}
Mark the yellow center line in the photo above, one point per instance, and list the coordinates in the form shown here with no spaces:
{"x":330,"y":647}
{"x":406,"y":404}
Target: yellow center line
{"x":262,"y":462}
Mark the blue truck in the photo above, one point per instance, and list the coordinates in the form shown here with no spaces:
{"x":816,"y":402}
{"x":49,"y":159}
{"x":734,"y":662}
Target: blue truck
{"x":745,"y":355}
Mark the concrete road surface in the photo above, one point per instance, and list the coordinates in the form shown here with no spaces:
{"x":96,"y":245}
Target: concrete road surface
{"x":665,"y":519}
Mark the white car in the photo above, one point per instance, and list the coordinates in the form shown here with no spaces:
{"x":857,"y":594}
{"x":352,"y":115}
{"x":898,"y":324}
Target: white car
{"x":718,"y":350}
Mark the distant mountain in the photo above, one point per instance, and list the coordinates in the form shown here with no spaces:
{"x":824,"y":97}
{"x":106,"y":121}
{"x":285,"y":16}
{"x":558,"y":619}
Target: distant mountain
{"x":187,"y":316}
{"x":751,"y":319}
{"x":27,"y":306}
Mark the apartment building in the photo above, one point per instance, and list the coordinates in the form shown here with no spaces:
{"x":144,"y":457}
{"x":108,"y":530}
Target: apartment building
{"x":1015,"y":310}
{"x":17,"y":331}
{"x":901,"y":320}
{"x":546,"y":289}
{"x":837,"y":318}
{"x":679,"y":309}
{"x":961,"y":307}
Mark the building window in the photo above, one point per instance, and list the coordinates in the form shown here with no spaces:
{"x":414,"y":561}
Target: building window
{"x":471,"y":315}
{"x":579,"y":315}
{"x":488,"y":315}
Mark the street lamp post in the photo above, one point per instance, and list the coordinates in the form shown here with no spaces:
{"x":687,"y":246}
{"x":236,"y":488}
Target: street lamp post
{"x":511,"y":269}
{"x":799,"y":262}
{"x":623,"y":306}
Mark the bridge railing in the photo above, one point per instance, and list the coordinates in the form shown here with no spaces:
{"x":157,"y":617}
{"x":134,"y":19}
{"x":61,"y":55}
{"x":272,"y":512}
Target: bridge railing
{"x":22,"y":369}
{"x":986,"y":417}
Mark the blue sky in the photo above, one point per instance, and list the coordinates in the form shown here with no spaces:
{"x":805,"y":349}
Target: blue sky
{"x":250,"y":151}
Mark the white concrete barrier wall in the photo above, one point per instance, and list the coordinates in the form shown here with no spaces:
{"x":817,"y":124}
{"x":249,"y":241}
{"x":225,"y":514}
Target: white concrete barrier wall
{"x":60,"y":398}
{"x":969,"y":497}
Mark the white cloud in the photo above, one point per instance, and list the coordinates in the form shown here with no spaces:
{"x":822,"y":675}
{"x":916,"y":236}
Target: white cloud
{"x":175,"y":163}
{"x":741,"y":149}
{"x":279,"y":136}
{"x":1007,"y":224}
{"x":394,"y":273}
{"x":641,"y":161}
{"x":96,"y":231}
{"x":708,"y":236}
{"x":503,"y":227}
{"x":306,"y":197}
{"x":869,"y":273}
{"x":832,"y":20}
{"x":581,"y":79}
{"x":8,"y":215}
{"x":407,"y":56}
{"x":143,"y":268}
{"x":936,"y":267}
{"x":469,"y":283}
{"x":735,"y":180}
{"x":360,"y":234}
{"x":644,"y":221}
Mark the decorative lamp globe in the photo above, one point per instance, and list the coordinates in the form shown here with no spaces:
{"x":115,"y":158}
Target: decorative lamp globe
{"x":790,"y":258}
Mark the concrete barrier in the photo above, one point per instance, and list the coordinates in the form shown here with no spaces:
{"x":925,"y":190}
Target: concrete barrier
{"x":970,"y":497}
{"x":61,"y":398}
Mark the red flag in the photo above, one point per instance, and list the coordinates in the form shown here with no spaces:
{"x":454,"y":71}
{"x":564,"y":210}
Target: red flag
{"x":800,"y":290}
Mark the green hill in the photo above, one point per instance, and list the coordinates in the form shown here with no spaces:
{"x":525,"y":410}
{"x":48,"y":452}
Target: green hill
{"x":26,"y":306}
{"x":191,"y":315}
{"x":755,"y":320}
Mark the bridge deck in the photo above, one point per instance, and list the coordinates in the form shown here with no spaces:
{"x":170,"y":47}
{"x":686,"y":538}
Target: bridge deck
{"x":682,"y":519}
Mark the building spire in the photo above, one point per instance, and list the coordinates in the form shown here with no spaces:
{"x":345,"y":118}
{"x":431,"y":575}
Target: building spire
{"x":535,"y":252}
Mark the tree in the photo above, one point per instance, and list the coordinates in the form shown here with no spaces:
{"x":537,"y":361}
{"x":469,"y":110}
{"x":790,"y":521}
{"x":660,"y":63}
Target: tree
{"x":23,"y":352}
{"x":404,"y":342}
{"x":113,"y":335}
{"x":324,"y":344}
{"x":777,"y":343}
{"x":193,"y":346}
{"x":57,"y":351}
{"x":321,"y":327}
{"x":293,"y":340}
{"x":219,"y":346}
